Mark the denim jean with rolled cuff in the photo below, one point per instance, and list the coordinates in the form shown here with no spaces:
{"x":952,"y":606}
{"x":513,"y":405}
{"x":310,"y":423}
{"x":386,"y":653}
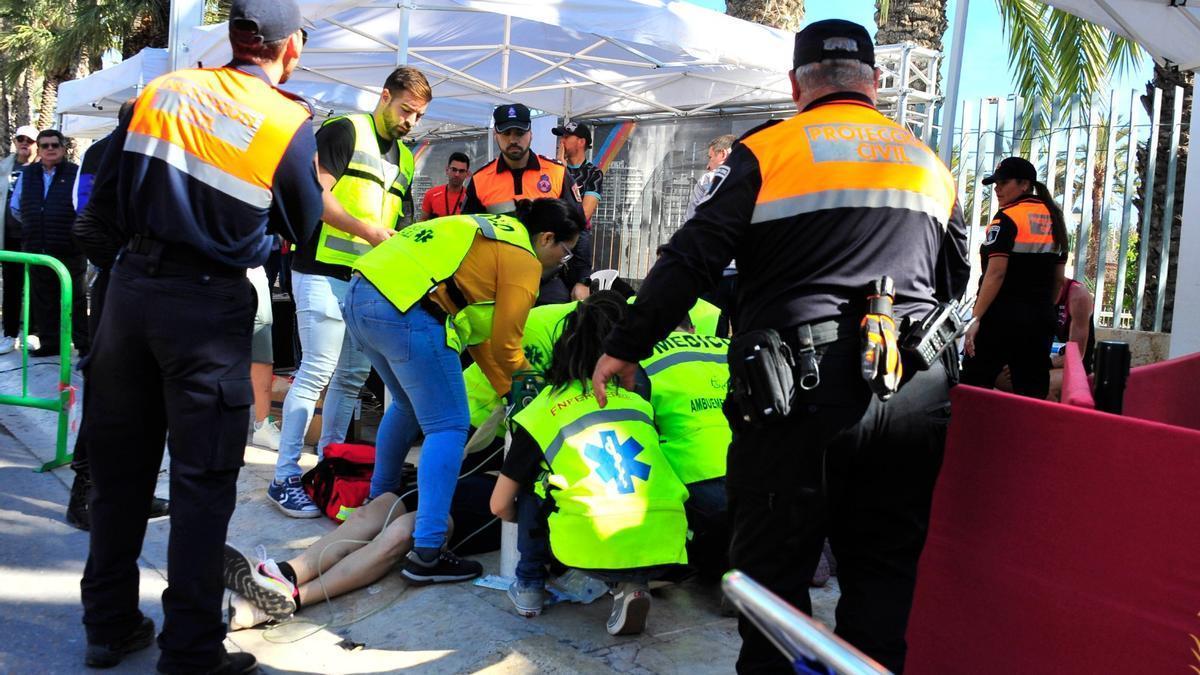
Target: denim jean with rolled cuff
{"x":424,"y":377}
{"x":329,"y":359}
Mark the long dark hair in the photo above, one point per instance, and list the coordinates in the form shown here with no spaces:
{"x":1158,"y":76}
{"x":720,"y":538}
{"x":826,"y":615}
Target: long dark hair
{"x":550,"y":215}
{"x":582,"y":341}
{"x":1057,"y":221}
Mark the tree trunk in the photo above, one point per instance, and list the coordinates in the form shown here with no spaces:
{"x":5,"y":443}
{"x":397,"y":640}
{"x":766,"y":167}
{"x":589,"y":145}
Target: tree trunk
{"x":22,"y":103}
{"x":922,"y":23}
{"x":6,"y":126}
{"x":783,"y":14}
{"x":1166,"y":80}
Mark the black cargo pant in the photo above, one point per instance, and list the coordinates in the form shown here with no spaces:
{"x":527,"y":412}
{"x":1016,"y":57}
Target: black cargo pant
{"x":1016,"y":335}
{"x":849,"y":467}
{"x":98,"y":291}
{"x":172,"y":353}
{"x":14,"y":285}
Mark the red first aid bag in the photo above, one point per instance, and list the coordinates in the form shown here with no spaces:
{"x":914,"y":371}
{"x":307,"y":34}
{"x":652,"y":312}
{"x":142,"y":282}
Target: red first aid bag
{"x":341,"y":481}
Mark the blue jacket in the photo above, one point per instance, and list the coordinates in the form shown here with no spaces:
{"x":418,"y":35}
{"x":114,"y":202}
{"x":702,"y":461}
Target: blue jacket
{"x":46,"y":220}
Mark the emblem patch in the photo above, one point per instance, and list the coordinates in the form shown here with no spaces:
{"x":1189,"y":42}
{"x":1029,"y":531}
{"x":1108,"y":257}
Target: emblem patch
{"x":616,"y":461}
{"x":719,"y":176}
{"x":993,"y":234}
{"x":543,"y":184}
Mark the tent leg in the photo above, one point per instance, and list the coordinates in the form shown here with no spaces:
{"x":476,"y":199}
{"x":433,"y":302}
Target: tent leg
{"x":950,"y":103}
{"x":402,"y":44}
{"x":1185,"y":328}
{"x":185,"y":15}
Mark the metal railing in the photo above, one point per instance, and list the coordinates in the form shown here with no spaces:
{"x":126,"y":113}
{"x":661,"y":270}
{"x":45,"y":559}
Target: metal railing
{"x":811,"y":647}
{"x":62,"y":403}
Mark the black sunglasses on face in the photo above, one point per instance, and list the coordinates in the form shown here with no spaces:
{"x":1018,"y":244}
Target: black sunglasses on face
{"x":24,"y":139}
{"x":49,"y":146}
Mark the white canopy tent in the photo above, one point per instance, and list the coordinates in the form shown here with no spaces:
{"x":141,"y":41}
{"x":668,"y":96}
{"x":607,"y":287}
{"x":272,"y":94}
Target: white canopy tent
{"x":89,"y":106}
{"x":574,"y":58}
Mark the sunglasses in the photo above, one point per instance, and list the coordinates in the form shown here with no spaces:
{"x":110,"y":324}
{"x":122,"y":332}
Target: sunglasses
{"x":49,"y":146}
{"x":23,"y":139}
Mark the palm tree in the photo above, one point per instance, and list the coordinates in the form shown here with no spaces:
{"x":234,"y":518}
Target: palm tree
{"x":783,"y":14}
{"x":921,"y":23}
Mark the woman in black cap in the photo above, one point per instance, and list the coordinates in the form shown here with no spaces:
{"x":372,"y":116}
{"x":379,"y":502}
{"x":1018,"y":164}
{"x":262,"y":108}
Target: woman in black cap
{"x":1024,"y":254}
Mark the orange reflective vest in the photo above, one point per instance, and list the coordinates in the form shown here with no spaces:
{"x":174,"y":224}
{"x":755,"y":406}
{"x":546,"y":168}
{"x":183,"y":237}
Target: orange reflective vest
{"x":226,"y":129}
{"x":846,"y":156}
{"x":1035,"y":229}
{"x":495,"y":190}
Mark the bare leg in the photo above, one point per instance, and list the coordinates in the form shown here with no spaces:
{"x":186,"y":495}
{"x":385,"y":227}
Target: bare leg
{"x":260,"y":378}
{"x":1056,"y":380}
{"x":365,"y":564}
{"x":363,"y":525}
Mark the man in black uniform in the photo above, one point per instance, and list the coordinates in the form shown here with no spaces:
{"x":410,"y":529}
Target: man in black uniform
{"x":815,"y":208}
{"x":208,"y":163}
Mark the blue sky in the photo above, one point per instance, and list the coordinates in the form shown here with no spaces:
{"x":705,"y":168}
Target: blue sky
{"x":985,"y":62}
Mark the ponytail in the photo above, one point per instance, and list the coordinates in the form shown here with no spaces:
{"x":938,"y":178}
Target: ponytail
{"x":581,"y":344}
{"x":1057,"y":221}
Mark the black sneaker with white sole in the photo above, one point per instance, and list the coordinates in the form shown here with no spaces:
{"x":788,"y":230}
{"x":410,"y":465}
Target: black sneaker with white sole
{"x":260,"y":583}
{"x":445,"y":568}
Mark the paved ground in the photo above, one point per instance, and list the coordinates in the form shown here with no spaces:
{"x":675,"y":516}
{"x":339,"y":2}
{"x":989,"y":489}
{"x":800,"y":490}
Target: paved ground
{"x":448,"y":629}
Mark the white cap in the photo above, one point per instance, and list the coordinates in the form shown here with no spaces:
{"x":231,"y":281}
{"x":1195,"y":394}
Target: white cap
{"x":27,"y":131}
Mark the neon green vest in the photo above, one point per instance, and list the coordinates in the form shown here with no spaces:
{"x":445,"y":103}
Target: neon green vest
{"x":542,"y":329}
{"x":688,"y":381}
{"x":363,"y":192}
{"x":411,"y":264}
{"x":618,"y":503}
{"x":705,"y":316}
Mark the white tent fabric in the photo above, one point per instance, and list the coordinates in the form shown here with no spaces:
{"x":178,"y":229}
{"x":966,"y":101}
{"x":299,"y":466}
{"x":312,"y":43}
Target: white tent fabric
{"x":89,"y":105}
{"x":564,"y":57}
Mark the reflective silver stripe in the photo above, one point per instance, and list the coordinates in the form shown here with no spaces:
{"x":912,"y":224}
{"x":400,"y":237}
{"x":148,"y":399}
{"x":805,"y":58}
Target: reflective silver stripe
{"x":590,"y":420}
{"x":840,"y":199}
{"x":366,"y":159}
{"x":345,"y":245}
{"x":1034,"y":247}
{"x":684,"y":357}
{"x":254,"y":195}
{"x":485,"y":226}
{"x":402,"y":179}
{"x":237,"y":132}
{"x":502,"y":207}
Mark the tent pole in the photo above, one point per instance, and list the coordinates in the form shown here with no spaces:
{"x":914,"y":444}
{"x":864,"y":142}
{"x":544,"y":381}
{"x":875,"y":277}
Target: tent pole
{"x":402,"y":44}
{"x":950,"y":102}
{"x":185,"y":15}
{"x":1185,"y":328}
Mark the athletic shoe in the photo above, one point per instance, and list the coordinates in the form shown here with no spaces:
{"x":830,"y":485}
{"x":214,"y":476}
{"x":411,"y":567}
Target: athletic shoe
{"x":243,"y":614}
{"x":527,"y":597}
{"x":159,"y":507}
{"x":262,"y":583}
{"x":446,"y":567}
{"x":109,"y":655}
{"x":631,"y":605}
{"x":7,"y":344}
{"x":265,"y":434}
{"x":291,"y":498}
{"x":32,"y":343}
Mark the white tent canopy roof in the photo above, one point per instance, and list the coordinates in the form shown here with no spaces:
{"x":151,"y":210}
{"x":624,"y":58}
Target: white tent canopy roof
{"x":576,"y":57}
{"x":1169,"y":30}
{"x":89,"y":106}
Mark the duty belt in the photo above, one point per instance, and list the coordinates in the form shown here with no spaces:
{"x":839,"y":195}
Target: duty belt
{"x":804,"y":340}
{"x":177,"y":259}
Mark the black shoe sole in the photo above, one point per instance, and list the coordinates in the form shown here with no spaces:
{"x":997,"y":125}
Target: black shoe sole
{"x":239,"y":578}
{"x":428,"y":579}
{"x":108,"y":656}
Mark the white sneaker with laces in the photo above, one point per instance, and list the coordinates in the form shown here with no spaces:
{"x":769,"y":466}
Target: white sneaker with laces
{"x":8,"y":344}
{"x":266,"y":434}
{"x":243,"y":614}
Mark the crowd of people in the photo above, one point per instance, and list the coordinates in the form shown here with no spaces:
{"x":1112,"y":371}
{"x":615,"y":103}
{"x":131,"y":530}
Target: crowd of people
{"x":643,"y":444}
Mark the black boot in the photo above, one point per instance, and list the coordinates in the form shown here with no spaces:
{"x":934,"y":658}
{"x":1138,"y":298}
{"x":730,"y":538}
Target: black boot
{"x":77,"y":507}
{"x":159,"y":507}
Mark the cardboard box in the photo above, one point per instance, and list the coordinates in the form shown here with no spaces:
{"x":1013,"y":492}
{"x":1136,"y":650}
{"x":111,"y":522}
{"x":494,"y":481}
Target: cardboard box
{"x":279,"y":388}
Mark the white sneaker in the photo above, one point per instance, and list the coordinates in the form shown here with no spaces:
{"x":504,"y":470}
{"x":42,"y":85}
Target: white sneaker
{"x":243,"y":614}
{"x":262,"y":584}
{"x":32,"y":343}
{"x":8,"y":344}
{"x":266,"y":434}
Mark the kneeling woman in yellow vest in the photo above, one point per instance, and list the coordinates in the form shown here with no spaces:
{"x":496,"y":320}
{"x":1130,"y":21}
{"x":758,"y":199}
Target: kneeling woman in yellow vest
{"x":414,"y":302}
{"x":604,"y":490}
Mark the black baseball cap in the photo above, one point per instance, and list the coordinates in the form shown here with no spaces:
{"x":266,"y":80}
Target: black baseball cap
{"x":511,"y":116}
{"x":1011,"y":168}
{"x":254,"y":21}
{"x":575,"y":129}
{"x":833,"y":39}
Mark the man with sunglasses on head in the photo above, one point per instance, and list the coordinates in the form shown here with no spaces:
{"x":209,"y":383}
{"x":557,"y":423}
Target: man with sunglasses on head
{"x":24,"y":141}
{"x":42,"y":202}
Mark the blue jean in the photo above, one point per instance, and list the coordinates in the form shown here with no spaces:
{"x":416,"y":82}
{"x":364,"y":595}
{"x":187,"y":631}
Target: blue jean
{"x":329,"y":359}
{"x":424,"y":377}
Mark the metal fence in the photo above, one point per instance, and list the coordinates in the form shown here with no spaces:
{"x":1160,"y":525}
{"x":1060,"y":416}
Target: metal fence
{"x":1090,"y":163}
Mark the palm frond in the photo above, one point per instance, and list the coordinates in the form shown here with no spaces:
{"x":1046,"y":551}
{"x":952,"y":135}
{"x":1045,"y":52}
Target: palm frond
{"x":1029,"y":53}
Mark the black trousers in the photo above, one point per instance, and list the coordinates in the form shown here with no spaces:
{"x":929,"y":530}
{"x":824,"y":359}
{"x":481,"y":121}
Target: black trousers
{"x":79,"y":459}
{"x":172,"y":353}
{"x":14,"y":286}
{"x":1018,"y":336}
{"x":849,"y":467}
{"x":44,"y":301}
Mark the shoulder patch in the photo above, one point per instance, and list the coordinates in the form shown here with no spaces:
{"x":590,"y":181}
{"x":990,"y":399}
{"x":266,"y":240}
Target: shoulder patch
{"x":718,"y":179}
{"x":765,"y":125}
{"x":993,"y":232}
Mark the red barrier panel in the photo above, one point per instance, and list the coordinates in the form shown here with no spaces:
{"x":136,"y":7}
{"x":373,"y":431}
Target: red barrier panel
{"x":1165,"y":392}
{"x":1076,"y":389}
{"x":1062,"y":540}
